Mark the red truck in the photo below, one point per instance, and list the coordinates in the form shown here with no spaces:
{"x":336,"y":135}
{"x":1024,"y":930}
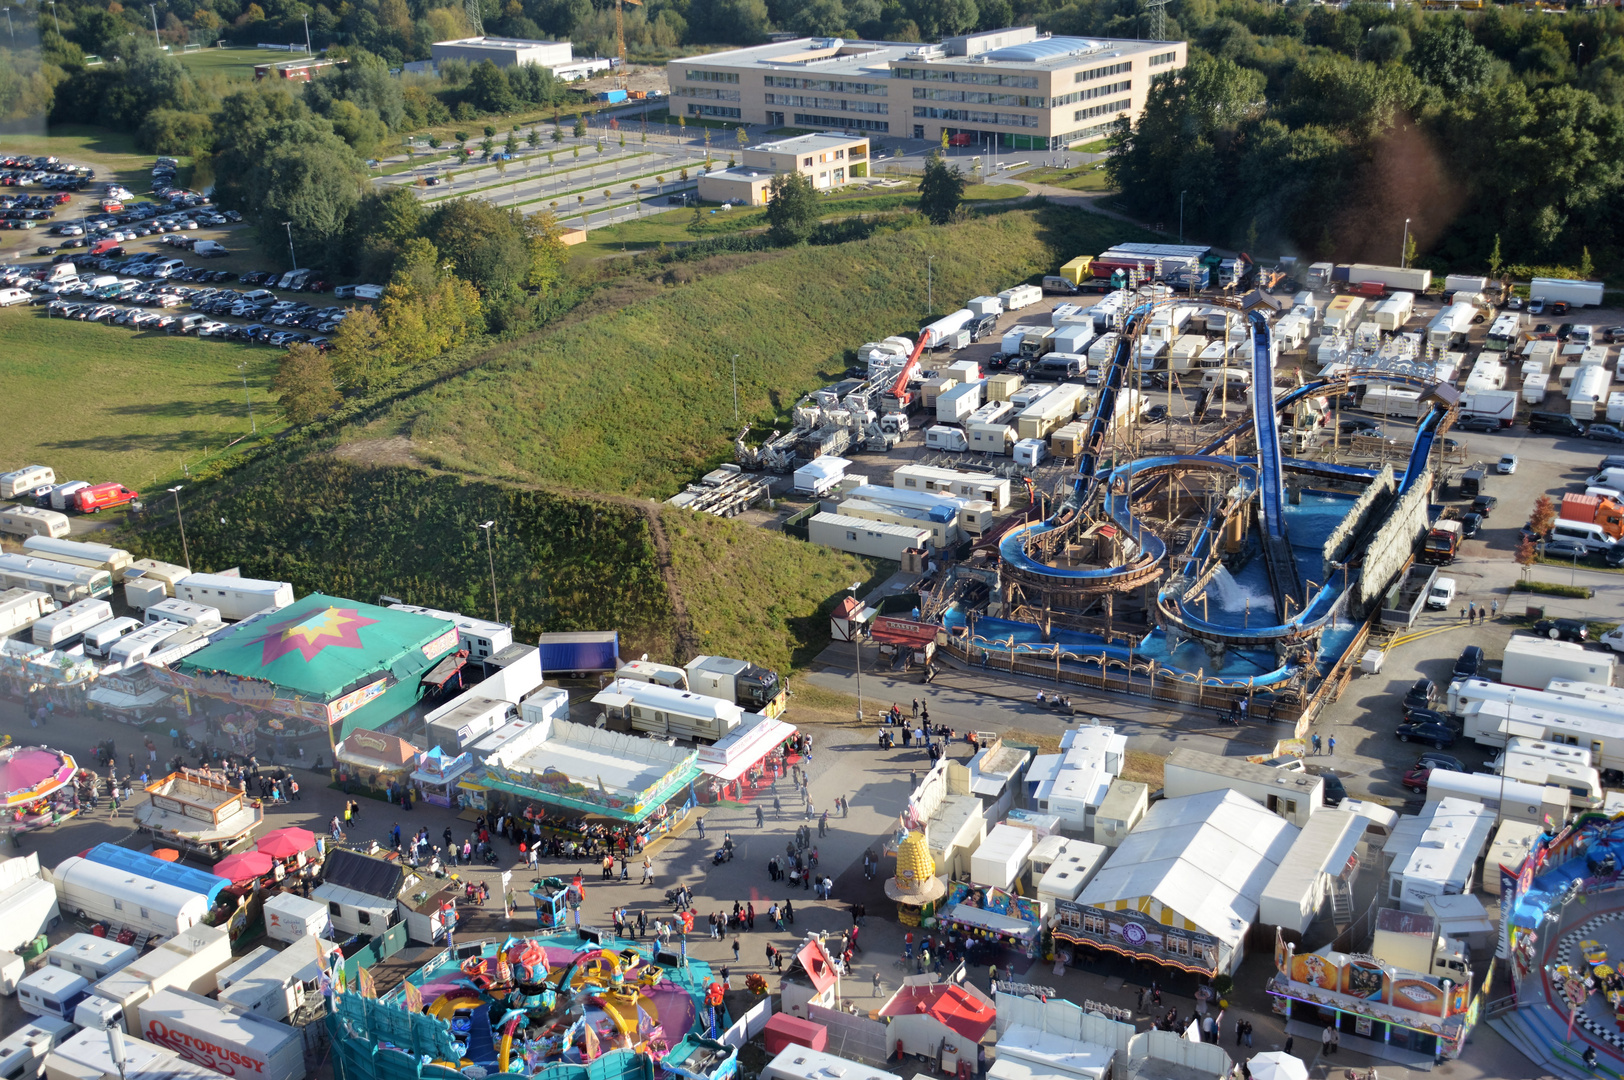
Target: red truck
{"x":99,"y":497}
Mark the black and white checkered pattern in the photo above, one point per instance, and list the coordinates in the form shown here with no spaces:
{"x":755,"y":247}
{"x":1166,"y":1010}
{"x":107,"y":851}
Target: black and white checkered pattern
{"x":1567,"y":948}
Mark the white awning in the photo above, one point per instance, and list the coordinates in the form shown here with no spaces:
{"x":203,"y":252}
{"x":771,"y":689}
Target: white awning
{"x":758,"y":740}
{"x":439,"y":779}
{"x":117,"y":699}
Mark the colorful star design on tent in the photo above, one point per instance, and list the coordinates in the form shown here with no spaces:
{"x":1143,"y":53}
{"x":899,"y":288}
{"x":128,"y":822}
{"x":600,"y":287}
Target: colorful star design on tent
{"x":310,"y":634}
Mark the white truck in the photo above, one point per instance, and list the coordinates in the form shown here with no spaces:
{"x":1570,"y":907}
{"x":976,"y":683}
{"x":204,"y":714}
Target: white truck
{"x":1498,"y":405}
{"x":1395,"y":311}
{"x":208,"y":1033}
{"x":1394,"y":277}
{"x":1575,"y":293}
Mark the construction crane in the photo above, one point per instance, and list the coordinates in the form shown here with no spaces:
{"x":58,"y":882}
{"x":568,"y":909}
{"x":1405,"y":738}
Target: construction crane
{"x":620,"y":39}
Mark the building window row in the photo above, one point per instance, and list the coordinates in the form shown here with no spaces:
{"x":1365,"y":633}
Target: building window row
{"x":1101,"y":72}
{"x":1060,"y":142}
{"x":834,"y":86}
{"x":975,"y":78}
{"x":976,"y":117}
{"x":1163,"y":58}
{"x":841,"y":122}
{"x":981,"y":97}
{"x":705,"y":92}
{"x":720,"y":111}
{"x":797,"y":101}
{"x":713,"y":76}
{"x":1101,"y":110}
{"x":1094,"y":92}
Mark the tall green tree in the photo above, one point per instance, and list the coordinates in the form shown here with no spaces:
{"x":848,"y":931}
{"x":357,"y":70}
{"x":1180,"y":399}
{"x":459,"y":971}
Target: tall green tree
{"x":941,"y":190}
{"x":304,"y":384}
{"x":792,"y":208}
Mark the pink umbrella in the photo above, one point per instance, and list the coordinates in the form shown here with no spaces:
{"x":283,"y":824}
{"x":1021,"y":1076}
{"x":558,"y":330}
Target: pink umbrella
{"x":286,"y":843}
{"x":244,"y":866}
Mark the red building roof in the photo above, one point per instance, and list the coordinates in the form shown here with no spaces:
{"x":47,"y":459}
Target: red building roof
{"x":817,"y":964}
{"x":953,"y":1005}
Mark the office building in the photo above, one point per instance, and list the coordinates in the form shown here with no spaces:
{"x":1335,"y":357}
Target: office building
{"x":1016,"y":87}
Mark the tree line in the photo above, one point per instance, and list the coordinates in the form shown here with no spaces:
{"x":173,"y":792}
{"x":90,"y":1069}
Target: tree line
{"x":1493,"y":137}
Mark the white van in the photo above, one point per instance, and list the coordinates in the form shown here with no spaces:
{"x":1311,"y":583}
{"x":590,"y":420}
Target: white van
{"x":183,"y":612}
{"x":1593,"y":536}
{"x":100,"y":638}
{"x":1031,"y":452}
{"x":13,"y":297}
{"x":65,"y":271}
{"x":52,"y":991}
{"x":940,"y":437}
{"x":209,"y":249}
{"x":61,"y":494}
{"x":1441,"y":594}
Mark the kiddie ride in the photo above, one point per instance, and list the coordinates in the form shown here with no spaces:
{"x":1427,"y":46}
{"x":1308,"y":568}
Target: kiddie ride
{"x":515,"y":1011}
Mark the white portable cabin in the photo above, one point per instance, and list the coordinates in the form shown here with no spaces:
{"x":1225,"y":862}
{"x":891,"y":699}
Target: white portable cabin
{"x":990,"y":438}
{"x":118,"y":896}
{"x":802,"y":1063}
{"x":876,"y":539}
{"x":819,"y":477}
{"x":1581,"y":782}
{"x":147,"y":581}
{"x":481,"y":637}
{"x":32,"y":521}
{"x":1072,"y":866}
{"x":21,"y":608}
{"x":23,"y":1052}
{"x":963,"y":485}
{"x":1030,"y":452}
{"x":26,"y":479}
{"x":79,"y":552}
{"x":137,"y":645}
{"x":662,"y":710}
{"x":288,"y":918}
{"x":1292,"y":795}
{"x":181,"y":611}
{"x":1437,"y":856}
{"x":999,"y":860}
{"x":1074,"y":337}
{"x":63,"y":583}
{"x":955,"y":406}
{"x":93,"y":957}
{"x":235,"y":598}
{"x":63,"y":629}
{"x":277,"y":986}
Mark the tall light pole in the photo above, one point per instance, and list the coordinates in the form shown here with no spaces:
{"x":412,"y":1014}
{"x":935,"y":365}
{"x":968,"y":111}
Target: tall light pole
{"x":9,"y":28}
{"x":252,"y":427}
{"x":289,"y":226}
{"x":1181,"y":217}
{"x":496,"y":612}
{"x":55,"y":19}
{"x":156,"y":40}
{"x":186,"y":551}
{"x":855,"y":652}
{"x":1404,"y":247}
{"x":308,"y":50}
{"x":930,"y":294}
{"x":735,"y":388}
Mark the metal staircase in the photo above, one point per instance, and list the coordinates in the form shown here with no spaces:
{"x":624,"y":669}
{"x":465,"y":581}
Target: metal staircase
{"x":1341,"y":904}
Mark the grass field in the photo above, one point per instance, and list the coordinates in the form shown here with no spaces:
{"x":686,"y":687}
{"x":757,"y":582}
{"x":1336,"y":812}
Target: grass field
{"x":111,"y":153}
{"x":106,"y":403}
{"x":235,"y":63}
{"x":1085,"y":178}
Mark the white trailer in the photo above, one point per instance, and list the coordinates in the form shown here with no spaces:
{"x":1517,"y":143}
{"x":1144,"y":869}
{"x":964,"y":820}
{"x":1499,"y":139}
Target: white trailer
{"x":63,"y":583}
{"x":1074,"y":337}
{"x":118,"y":896}
{"x":1533,"y":662}
{"x":93,"y":957}
{"x":25,"y":480}
{"x":819,"y":477}
{"x":1590,"y":388}
{"x":22,"y":608}
{"x":1010,"y":343}
{"x":1466,"y":283}
{"x":1576,"y":293}
{"x":184,"y":612}
{"x":1292,"y":795}
{"x":278,"y":986}
{"x":63,"y":629}
{"x":1508,"y":799}
{"x":148,"y":581}
{"x":1021,"y":296}
{"x":1536,"y":387}
{"x":137,"y":645}
{"x":1182,"y":353}
{"x":1040,"y":419}
{"x":80,"y":553}
{"x":1102,"y":349}
{"x":1500,"y":405}
{"x":1386,"y":400}
{"x":990,"y":438}
{"x":859,"y":536}
{"x":1394,"y":277}
{"x":23,"y":1051}
{"x":31,"y":909}
{"x":955,"y":406}
{"x":940,"y":437}
{"x":236,"y":598}
{"x":993,"y":412}
{"x":32,"y":521}
{"x":233,"y":1043}
{"x":1395,"y":311}
{"x":1451,"y":325}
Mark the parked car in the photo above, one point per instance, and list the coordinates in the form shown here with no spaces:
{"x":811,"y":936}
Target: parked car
{"x":1470,"y":523}
{"x":1422,"y":693}
{"x":1477,"y":423}
{"x":1562,"y":629}
{"x":1433,"y":759}
{"x":1605,"y":433}
{"x":1436,"y":734}
{"x":1506,"y":465}
{"x":1415,"y":778}
{"x":1483,"y":505}
{"x":1469,"y":663}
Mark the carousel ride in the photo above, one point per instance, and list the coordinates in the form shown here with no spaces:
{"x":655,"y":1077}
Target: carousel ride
{"x":526,"y":1005}
{"x":30,"y":778}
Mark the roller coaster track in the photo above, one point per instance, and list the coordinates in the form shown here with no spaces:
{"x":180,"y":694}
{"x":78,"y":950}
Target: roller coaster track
{"x":1148,"y":550}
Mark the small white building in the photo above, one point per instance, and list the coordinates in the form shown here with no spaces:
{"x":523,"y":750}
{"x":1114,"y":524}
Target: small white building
{"x":1292,"y":794}
{"x":360,"y":892}
{"x":1072,"y":867}
{"x":1436,"y":853}
{"x":999,"y":860}
{"x":875,"y":539}
{"x":1074,"y":783}
{"x":1320,"y":863}
{"x":995,"y":776}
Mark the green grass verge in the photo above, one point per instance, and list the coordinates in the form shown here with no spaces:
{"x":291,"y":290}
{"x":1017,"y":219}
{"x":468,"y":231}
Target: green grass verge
{"x":1086,"y":178}
{"x":112,"y":154}
{"x":105,"y":403}
{"x":1098,"y":146}
{"x":1550,"y":588}
{"x":234,"y":63}
{"x":983,"y":192}
{"x":637,"y":399}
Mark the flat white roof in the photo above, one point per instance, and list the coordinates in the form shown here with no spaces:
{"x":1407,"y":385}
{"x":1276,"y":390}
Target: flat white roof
{"x":500,"y":43}
{"x":596,"y":756}
{"x":806,"y":144}
{"x":1451,"y":842}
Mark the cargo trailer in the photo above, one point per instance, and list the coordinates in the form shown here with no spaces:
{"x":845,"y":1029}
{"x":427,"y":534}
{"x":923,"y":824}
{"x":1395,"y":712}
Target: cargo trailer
{"x":107,"y":893}
{"x":1041,"y":418}
{"x":231,"y":1043}
{"x":1454,"y":283}
{"x":1575,"y":293}
{"x":1500,"y":405}
{"x":1590,"y":389}
{"x":1342,"y":314}
{"x":234,"y":597}
{"x":1391,"y":277}
{"x":955,"y":406}
{"x":1020,"y":296}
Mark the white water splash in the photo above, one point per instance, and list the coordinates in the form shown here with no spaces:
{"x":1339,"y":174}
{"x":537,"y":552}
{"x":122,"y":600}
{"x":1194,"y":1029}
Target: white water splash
{"x":1225,"y":592}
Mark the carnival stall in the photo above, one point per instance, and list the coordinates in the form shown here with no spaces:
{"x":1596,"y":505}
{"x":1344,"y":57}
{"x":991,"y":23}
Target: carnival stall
{"x":437,"y":775}
{"x":748,"y":760}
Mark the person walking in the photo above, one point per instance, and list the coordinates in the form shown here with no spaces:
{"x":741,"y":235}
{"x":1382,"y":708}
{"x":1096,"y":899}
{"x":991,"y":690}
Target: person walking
{"x":1331,"y":746}
{"x":648,"y":871}
{"x":759,"y":818}
{"x":735,"y":950}
{"x":1325,"y":1041}
{"x":1316,"y":743}
{"x":1336,"y":1040}
{"x":699,"y":823}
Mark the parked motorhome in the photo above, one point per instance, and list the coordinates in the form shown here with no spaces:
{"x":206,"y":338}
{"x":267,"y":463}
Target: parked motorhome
{"x":32,"y":521}
{"x":26,"y":480}
{"x":235,"y":598}
{"x":64,"y":583}
{"x":63,"y":629}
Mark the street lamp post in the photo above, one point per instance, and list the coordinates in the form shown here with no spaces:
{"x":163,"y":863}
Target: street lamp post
{"x":930,"y":294}
{"x":1404,"y":246}
{"x":856,"y":653}
{"x":156,"y":40}
{"x":735,"y":388}
{"x":295,"y":259}
{"x":496,"y":611}
{"x":253,"y":428}
{"x":1181,"y":217}
{"x":180,"y":518}
{"x":9,"y":28}
{"x":55,"y":19}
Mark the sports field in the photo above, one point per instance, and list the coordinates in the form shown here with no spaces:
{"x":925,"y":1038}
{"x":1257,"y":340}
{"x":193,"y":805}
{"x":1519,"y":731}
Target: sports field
{"x":103,"y":403}
{"x":235,"y":63}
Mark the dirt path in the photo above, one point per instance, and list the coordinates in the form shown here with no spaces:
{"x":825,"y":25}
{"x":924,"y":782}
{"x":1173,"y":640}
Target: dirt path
{"x":686,"y":643}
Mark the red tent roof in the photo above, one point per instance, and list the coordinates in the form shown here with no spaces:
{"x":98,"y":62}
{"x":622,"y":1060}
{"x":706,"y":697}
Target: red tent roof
{"x":817,"y":964}
{"x":953,"y":1005}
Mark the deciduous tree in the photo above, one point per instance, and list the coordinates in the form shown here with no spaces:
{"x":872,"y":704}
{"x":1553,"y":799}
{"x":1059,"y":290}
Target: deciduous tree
{"x":304,"y":384}
{"x":792,"y":208}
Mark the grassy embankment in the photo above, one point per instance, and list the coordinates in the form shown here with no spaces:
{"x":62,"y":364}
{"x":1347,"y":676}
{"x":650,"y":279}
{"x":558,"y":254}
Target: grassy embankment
{"x":628,"y":396}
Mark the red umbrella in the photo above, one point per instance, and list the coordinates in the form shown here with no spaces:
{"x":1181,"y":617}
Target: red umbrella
{"x":244,"y":866}
{"x":286,"y":843}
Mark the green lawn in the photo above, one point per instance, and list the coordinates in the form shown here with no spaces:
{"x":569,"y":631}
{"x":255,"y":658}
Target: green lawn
{"x":983,"y":192}
{"x":108,"y":403}
{"x":1098,"y":146}
{"x":1086,"y":178}
{"x":111,"y":153}
{"x":235,"y":63}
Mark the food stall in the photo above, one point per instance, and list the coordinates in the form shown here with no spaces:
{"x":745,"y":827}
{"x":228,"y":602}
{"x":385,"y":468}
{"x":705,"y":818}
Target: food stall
{"x":437,"y":774}
{"x":376,"y":759}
